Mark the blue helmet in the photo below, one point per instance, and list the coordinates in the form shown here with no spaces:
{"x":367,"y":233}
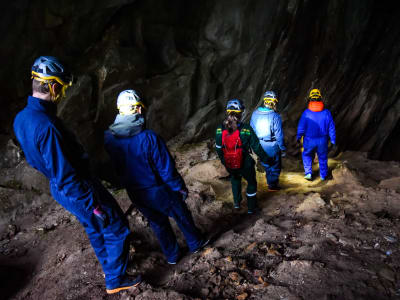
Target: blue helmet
{"x":49,"y":68}
{"x":270,"y":97}
{"x":235,"y":105}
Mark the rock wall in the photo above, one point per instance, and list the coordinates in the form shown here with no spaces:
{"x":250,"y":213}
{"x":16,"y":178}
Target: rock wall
{"x":188,"y":57}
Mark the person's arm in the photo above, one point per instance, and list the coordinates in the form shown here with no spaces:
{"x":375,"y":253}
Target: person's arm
{"x":165,"y":164}
{"x":278,"y":131}
{"x":218,"y":144}
{"x":331,"y":127}
{"x":301,"y":128}
{"x":256,"y":147}
{"x":67,"y":179}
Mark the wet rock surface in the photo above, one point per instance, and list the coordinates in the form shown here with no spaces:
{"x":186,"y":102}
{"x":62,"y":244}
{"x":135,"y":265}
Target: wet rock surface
{"x":337,"y":239}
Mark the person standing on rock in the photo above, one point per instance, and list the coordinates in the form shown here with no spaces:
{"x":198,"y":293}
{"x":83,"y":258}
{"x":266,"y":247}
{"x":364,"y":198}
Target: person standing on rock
{"x":147,"y":171}
{"x":233,"y":141}
{"x":54,"y":151}
{"x":267,"y":125}
{"x":316,"y":125}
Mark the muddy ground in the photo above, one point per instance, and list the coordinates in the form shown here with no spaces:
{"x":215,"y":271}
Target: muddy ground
{"x":337,"y":239}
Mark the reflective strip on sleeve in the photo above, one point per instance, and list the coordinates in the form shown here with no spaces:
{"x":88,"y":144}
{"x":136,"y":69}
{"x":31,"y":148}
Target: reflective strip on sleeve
{"x":251,"y":195}
{"x":217,"y":146}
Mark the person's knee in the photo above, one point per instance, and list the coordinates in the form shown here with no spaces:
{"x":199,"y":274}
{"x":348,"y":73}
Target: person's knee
{"x":251,"y":187}
{"x":323,"y":157}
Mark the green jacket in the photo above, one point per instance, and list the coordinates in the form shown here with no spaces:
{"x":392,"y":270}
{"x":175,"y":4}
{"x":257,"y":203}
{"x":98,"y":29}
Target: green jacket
{"x":249,"y":141}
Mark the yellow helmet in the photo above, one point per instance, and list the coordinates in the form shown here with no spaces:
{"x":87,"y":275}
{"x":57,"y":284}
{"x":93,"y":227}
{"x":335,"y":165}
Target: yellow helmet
{"x":315,"y":94}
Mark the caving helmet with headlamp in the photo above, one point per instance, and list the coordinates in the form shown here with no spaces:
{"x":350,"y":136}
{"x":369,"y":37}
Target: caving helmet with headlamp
{"x":235,"y":105}
{"x":47,"y":70}
{"x":315,"y":95}
{"x":270,"y":98}
{"x":128,"y":101}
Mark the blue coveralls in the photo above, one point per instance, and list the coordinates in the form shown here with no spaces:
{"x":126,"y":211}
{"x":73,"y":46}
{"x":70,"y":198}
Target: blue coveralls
{"x":267,"y":125}
{"x":316,"y":127}
{"x":147,"y":171}
{"x":55,"y":152}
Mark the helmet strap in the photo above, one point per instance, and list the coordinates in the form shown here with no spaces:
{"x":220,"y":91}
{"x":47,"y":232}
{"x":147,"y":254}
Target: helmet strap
{"x":51,"y":84}
{"x":126,"y":110}
{"x":56,"y":97}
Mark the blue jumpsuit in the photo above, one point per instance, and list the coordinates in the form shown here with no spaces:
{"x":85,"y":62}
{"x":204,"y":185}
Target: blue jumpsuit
{"x":147,"y":171}
{"x":54,"y":151}
{"x":316,"y":127}
{"x":267,"y":125}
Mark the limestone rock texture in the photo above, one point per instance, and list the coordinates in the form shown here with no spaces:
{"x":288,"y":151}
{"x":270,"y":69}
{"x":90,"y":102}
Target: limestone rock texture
{"x":187,"y":58}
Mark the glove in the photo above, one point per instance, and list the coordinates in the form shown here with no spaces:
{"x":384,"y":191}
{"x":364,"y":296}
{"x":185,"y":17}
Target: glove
{"x":101,"y":216}
{"x":283,"y":153}
{"x":334,"y":151}
{"x":184,"y":193}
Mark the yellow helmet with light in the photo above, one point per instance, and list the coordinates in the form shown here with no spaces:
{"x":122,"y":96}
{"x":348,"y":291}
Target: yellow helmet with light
{"x":315,"y":94}
{"x":47,"y":70}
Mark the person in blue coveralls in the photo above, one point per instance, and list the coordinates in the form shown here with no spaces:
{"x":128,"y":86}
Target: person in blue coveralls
{"x":53,"y":150}
{"x":317,"y":127}
{"x":267,"y":124}
{"x":147,"y":170}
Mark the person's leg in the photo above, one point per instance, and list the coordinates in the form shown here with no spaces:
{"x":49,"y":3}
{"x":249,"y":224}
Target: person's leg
{"x":236,"y":181}
{"x":273,"y":169}
{"x":161,"y":227}
{"x":115,"y":237}
{"x":110,"y":244}
{"x":251,"y":192}
{"x":308,"y":155}
{"x":322,"y":152}
{"x":183,"y":218}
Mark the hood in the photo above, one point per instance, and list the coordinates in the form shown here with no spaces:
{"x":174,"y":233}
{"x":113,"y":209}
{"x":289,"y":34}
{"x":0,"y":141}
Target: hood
{"x":126,"y":126}
{"x":316,"y":106}
{"x":264,"y":109}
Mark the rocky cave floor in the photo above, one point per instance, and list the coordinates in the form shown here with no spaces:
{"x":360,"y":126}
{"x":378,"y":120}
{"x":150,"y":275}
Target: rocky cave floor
{"x":337,"y":239}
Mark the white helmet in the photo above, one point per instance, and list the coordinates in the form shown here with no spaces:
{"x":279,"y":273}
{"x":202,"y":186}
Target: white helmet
{"x":127,"y":101}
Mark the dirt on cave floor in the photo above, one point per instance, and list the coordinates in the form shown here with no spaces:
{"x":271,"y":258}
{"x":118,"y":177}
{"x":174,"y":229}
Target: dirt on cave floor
{"x":337,"y":239}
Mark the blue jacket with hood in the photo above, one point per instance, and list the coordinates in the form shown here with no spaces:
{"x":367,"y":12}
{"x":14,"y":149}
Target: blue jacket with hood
{"x":142,"y":162}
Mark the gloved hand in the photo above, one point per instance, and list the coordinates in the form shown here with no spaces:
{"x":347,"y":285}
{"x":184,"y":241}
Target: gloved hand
{"x":283,"y":153}
{"x":334,"y":151}
{"x":101,"y":216}
{"x":184,"y":193}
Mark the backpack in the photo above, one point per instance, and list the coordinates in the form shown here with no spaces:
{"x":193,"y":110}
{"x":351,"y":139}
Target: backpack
{"x":232,"y":149}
